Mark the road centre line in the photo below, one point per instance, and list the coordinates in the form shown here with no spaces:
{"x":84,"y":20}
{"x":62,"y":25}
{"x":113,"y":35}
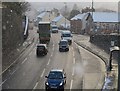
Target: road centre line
{"x":73,"y":54}
{"x":73,"y":60}
{"x":73,"y":72}
{"x":43,"y":73}
{"x":48,"y":62}
{"x":71,"y":84}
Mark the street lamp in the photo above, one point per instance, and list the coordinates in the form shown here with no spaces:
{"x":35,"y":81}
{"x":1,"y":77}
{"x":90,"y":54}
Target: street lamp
{"x":65,"y":13}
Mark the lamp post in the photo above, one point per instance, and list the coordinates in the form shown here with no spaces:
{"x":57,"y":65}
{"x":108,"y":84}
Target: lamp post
{"x":65,"y":13}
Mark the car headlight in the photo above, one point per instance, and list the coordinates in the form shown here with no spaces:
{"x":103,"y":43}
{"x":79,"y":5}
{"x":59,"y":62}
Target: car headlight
{"x":61,"y":83}
{"x":47,"y":83}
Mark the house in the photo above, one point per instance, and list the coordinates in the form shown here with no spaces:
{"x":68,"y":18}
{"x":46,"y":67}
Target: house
{"x":105,"y":22}
{"x":61,"y":21}
{"x":81,"y":23}
{"x":45,"y":16}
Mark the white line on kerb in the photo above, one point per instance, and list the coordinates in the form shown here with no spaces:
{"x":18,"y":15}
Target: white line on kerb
{"x":48,"y":62}
{"x":35,"y":85}
{"x":71,"y":85}
{"x":3,"y":82}
{"x":42,"y":73}
{"x":24,"y":60}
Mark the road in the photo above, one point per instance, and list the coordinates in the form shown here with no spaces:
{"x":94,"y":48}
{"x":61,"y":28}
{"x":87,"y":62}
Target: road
{"x":29,"y":71}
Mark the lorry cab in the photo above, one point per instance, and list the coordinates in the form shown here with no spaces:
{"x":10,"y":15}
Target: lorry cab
{"x":67,"y":35}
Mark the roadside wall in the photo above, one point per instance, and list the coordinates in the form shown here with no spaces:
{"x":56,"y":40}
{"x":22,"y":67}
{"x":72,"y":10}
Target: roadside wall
{"x":104,"y":42}
{"x":12,"y":32}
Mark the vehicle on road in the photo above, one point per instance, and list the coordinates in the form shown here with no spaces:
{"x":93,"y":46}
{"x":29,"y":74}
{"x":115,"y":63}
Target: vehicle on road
{"x":67,"y":35}
{"x":44,"y":32}
{"x":41,"y":49}
{"x":63,"y":45}
{"x":54,"y":29}
{"x":56,"y":79}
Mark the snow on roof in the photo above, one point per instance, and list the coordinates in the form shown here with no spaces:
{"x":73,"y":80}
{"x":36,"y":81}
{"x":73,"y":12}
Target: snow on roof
{"x":41,"y":15}
{"x":79,"y":16}
{"x":44,"y":22}
{"x":105,"y":16}
{"x":57,"y":18}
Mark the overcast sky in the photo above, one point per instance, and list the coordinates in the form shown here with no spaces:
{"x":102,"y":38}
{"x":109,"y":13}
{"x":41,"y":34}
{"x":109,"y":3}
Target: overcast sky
{"x":49,"y":5}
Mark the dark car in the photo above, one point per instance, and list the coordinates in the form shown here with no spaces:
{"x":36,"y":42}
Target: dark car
{"x":63,"y":45}
{"x":56,"y":80}
{"x":41,"y":49}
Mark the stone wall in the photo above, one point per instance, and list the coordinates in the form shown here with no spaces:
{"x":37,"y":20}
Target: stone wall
{"x":12,"y":32}
{"x":104,"y":42}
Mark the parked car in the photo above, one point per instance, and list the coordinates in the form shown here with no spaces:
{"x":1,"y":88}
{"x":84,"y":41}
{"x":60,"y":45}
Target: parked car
{"x":63,"y":45}
{"x":56,"y":79}
{"x":41,"y":49}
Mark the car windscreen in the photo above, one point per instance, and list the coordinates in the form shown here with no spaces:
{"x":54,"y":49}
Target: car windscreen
{"x":40,"y":47}
{"x":54,"y":27}
{"x":66,"y":35}
{"x":55,"y":75}
{"x":63,"y":43}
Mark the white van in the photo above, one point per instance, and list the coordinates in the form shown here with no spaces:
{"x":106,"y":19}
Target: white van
{"x":67,"y":35}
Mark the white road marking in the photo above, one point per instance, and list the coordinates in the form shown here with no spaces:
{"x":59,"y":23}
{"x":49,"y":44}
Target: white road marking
{"x":43,"y":73}
{"x":3,"y":82}
{"x":24,"y":60}
{"x":53,"y":48}
{"x":48,"y":62}
{"x":72,"y":48}
{"x":35,"y":85}
{"x":30,"y":53}
{"x":53,"y":45}
{"x":13,"y":72}
{"x":73,"y":72}
{"x":73,"y":60}
{"x":51,"y":54}
{"x":73,"y":54}
{"x":71,"y":85}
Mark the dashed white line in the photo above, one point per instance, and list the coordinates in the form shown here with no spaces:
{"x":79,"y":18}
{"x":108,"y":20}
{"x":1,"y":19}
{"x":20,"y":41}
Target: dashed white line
{"x":3,"y":82}
{"x":73,"y":54}
{"x":24,"y":60}
{"x":35,"y":85}
{"x":30,"y":53}
{"x":73,"y":60}
{"x":53,"y":48}
{"x":48,"y":62}
{"x":53,"y":45}
{"x":73,"y":72}
{"x":72,"y":48}
{"x":13,"y":72}
{"x":51,"y":54}
{"x":71,"y":85}
{"x":42,"y":73}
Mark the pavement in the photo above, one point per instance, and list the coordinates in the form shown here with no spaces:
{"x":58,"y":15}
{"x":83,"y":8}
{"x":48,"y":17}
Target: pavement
{"x":110,"y":77}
